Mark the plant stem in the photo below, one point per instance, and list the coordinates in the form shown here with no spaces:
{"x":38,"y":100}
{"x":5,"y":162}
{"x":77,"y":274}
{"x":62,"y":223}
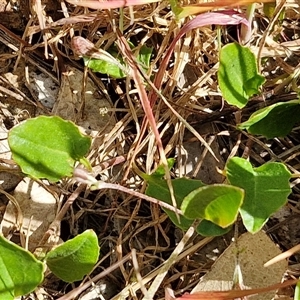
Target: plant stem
{"x":104,"y":185}
{"x":246,"y":31}
{"x":121,"y":20}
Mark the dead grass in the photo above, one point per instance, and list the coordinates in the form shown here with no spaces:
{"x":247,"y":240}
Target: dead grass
{"x":123,"y":222}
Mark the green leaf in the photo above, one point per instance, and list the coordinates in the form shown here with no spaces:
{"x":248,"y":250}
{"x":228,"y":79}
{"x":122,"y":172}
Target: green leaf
{"x":176,"y":8}
{"x":113,"y":70}
{"x":266,"y":189}
{"x":158,"y":188}
{"x":238,"y":76}
{"x":269,"y":9}
{"x":218,"y":203}
{"x":144,"y":57}
{"x":105,"y":67}
{"x":276,"y":120}
{"x":160,"y":171}
{"x":207,"y":228}
{"x":75,"y":258}
{"x":20,"y":271}
{"x":47,"y":147}
{"x":297,"y":291}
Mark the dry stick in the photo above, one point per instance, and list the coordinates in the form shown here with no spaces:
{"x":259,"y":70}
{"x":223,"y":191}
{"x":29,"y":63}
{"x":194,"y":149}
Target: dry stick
{"x":37,"y":7}
{"x":69,"y":202}
{"x":187,"y":125}
{"x":12,"y":38}
{"x":21,"y":96}
{"x":202,"y":157}
{"x":270,"y":26}
{"x":14,"y":42}
{"x":138,"y":275}
{"x":136,"y":286}
{"x":133,"y":156}
{"x":19,"y":218}
{"x":282,"y":256}
{"x":10,"y":93}
{"x":246,"y":31}
{"x":75,"y":292}
{"x":167,"y":264}
{"x":55,"y":225}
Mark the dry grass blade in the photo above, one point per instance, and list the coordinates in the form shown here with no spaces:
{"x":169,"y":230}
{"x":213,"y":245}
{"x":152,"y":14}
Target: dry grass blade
{"x":166,"y":266}
{"x":282,"y":256}
{"x":235,"y":294}
{"x":172,"y":109}
{"x":223,"y":18}
{"x":277,"y":12}
{"x":137,"y":77}
{"x":19,"y":219}
{"x":151,"y":276}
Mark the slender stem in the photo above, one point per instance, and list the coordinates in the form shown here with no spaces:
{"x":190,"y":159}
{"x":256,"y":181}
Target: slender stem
{"x":121,"y":20}
{"x":296,"y":175}
{"x":246,"y":31}
{"x":219,"y":33}
{"x":104,"y":185}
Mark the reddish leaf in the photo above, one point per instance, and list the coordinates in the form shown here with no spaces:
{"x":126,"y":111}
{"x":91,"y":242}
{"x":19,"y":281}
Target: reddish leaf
{"x":198,"y":8}
{"x":189,"y":9}
{"x":228,"y":3}
{"x":96,"y":4}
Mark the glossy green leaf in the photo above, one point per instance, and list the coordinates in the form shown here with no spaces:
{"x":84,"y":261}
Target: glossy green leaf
{"x":276,"y":120}
{"x":105,"y":67}
{"x":47,"y":147}
{"x":20,"y":271}
{"x":266,"y":189}
{"x":160,"y":171}
{"x":75,"y":258}
{"x":218,"y":203}
{"x":113,"y":70}
{"x":158,"y":188}
{"x":238,"y":76}
{"x":207,"y":228}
